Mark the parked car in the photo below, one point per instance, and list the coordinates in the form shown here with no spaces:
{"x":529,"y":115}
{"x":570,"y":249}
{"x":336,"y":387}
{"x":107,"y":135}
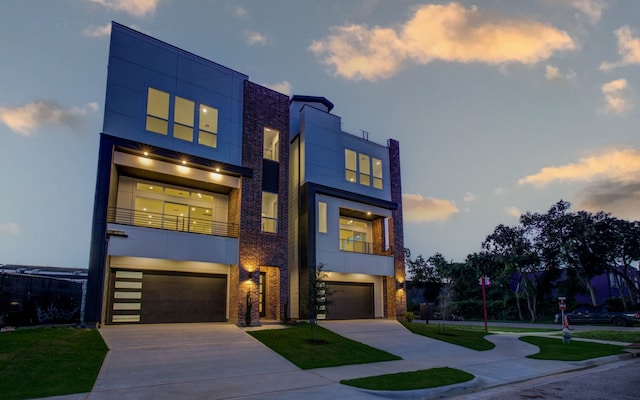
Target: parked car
{"x":600,"y":315}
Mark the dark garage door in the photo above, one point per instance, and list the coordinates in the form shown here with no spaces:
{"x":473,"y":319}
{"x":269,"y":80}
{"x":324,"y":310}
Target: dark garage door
{"x":172,"y":297}
{"x":349,"y":300}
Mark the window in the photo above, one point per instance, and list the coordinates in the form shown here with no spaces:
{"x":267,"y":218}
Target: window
{"x":353,"y":235}
{"x":377,"y":173}
{"x":183,"y":119}
{"x":208,"y":126}
{"x":350,"y":165}
{"x":174,"y":208}
{"x":157,"y":111}
{"x":365,"y":170}
{"x":269,"y":212}
{"x":359,"y":167}
{"x":270,"y":147}
{"x":322,"y":217}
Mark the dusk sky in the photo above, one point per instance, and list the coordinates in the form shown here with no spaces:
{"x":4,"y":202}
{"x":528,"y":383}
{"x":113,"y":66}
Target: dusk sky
{"x":500,"y":106}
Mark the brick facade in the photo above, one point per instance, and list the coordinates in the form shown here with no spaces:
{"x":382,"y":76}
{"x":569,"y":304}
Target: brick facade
{"x":262,"y":108}
{"x":396,"y":291}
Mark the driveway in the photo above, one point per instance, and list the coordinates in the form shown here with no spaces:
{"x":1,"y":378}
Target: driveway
{"x":208,"y":361}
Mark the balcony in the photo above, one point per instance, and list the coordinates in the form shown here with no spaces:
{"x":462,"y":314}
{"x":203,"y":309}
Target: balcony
{"x":169,"y":222}
{"x":365,"y":248}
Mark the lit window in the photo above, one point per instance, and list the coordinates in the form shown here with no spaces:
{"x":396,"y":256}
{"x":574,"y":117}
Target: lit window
{"x":377,"y":173}
{"x":353,"y":235}
{"x":208,"y":126}
{"x":365,"y":170}
{"x":322,"y":217}
{"x":270,"y":147}
{"x":157,"y":111}
{"x":269,"y":212}
{"x":183,"y":119}
{"x":350,"y":165}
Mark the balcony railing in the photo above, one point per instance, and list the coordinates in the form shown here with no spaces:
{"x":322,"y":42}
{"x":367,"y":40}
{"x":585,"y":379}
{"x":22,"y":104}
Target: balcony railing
{"x":365,"y":248}
{"x":168,"y":222}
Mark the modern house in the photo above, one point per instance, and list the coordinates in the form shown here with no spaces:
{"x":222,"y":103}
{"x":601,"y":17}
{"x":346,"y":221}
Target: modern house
{"x":215,"y":195}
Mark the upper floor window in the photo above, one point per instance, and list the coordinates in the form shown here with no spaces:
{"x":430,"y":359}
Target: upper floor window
{"x":185,"y":118}
{"x":270,"y":149}
{"x":158,"y":111}
{"x":322,"y":217}
{"x":359,"y":168}
{"x":269,"y":212}
{"x":208,"y":126}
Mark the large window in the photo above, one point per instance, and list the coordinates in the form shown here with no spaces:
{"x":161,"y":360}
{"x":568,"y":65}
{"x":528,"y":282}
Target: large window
{"x":353,"y":235}
{"x":359,"y":168}
{"x":271,"y":141}
{"x":351,"y":165}
{"x":158,"y":111}
{"x":208,"y":124}
{"x":174,"y":208}
{"x":269,"y":212}
{"x":377,"y":173}
{"x":185,"y":118}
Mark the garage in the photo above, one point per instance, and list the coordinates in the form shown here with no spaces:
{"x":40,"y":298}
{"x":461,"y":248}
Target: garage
{"x":154,"y":297}
{"x":348,"y":300}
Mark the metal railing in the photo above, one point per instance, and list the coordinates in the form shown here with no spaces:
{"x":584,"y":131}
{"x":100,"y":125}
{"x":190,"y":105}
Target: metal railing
{"x":365,"y":248}
{"x":168,"y":222}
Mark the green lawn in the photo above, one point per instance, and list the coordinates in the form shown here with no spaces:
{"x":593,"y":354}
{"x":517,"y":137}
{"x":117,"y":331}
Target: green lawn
{"x":554,"y":349}
{"x":469,"y":338}
{"x":616,"y":336}
{"x":46,"y":362}
{"x":423,"y":379}
{"x":307,"y":350}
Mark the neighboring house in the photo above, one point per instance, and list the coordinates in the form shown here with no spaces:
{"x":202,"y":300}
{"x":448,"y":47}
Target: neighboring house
{"x":200,"y":208}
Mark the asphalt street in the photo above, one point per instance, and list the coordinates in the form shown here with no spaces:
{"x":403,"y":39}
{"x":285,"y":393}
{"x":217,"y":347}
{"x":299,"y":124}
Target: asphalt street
{"x":620,"y":381}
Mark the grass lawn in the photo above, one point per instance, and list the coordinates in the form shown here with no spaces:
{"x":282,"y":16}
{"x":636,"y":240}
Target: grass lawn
{"x":299,"y":345}
{"x":424,"y":379}
{"x":469,"y":338}
{"x":46,"y":362}
{"x":554,"y":349}
{"x":616,"y":336}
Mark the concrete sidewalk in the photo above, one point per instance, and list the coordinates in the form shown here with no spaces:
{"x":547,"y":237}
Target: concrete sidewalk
{"x":221,"y":361}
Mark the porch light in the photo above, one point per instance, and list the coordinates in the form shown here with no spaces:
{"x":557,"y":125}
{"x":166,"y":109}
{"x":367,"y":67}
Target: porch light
{"x":184,"y":162}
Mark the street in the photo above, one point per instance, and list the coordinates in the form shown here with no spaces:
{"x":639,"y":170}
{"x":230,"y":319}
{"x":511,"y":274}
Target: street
{"x":619,"y":381}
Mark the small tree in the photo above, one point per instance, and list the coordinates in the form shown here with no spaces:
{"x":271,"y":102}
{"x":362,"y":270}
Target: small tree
{"x":318,"y":297}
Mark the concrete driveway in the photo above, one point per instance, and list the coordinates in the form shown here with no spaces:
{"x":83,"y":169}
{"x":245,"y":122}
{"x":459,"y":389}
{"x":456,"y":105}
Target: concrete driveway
{"x":207,"y":361}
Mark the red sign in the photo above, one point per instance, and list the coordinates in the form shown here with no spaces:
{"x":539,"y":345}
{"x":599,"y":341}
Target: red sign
{"x":563,"y":306}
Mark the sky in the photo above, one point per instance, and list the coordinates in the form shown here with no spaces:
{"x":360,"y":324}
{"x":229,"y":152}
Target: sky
{"x":500,"y":106}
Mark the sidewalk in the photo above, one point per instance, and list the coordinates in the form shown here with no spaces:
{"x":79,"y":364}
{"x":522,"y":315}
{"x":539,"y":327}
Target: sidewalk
{"x":221,"y":361}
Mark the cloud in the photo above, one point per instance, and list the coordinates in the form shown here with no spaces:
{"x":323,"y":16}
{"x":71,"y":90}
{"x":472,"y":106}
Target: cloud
{"x":615,"y":97}
{"x":618,"y":198}
{"x":25,"y":119}
{"x":591,"y":8}
{"x":239,"y":12}
{"x":500,"y":191}
{"x":553,"y":73}
{"x":469,"y":197}
{"x":612,"y":165}
{"x":628,"y":49}
{"x":10,"y":228}
{"x":138,"y":8}
{"x":282,"y":87}
{"x":513,"y":211}
{"x":98,"y":31}
{"x":419,"y":209}
{"x":448,"y":32}
{"x":255,"y":38}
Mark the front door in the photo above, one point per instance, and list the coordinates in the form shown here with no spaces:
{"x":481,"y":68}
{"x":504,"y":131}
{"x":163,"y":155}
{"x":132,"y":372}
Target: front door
{"x":263,"y":294}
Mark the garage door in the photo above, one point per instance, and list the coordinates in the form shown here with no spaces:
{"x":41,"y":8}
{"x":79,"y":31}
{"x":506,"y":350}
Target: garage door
{"x":165,"y":297}
{"x":349,"y":300}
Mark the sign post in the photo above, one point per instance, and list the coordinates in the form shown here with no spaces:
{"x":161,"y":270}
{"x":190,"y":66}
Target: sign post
{"x":484,"y":281}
